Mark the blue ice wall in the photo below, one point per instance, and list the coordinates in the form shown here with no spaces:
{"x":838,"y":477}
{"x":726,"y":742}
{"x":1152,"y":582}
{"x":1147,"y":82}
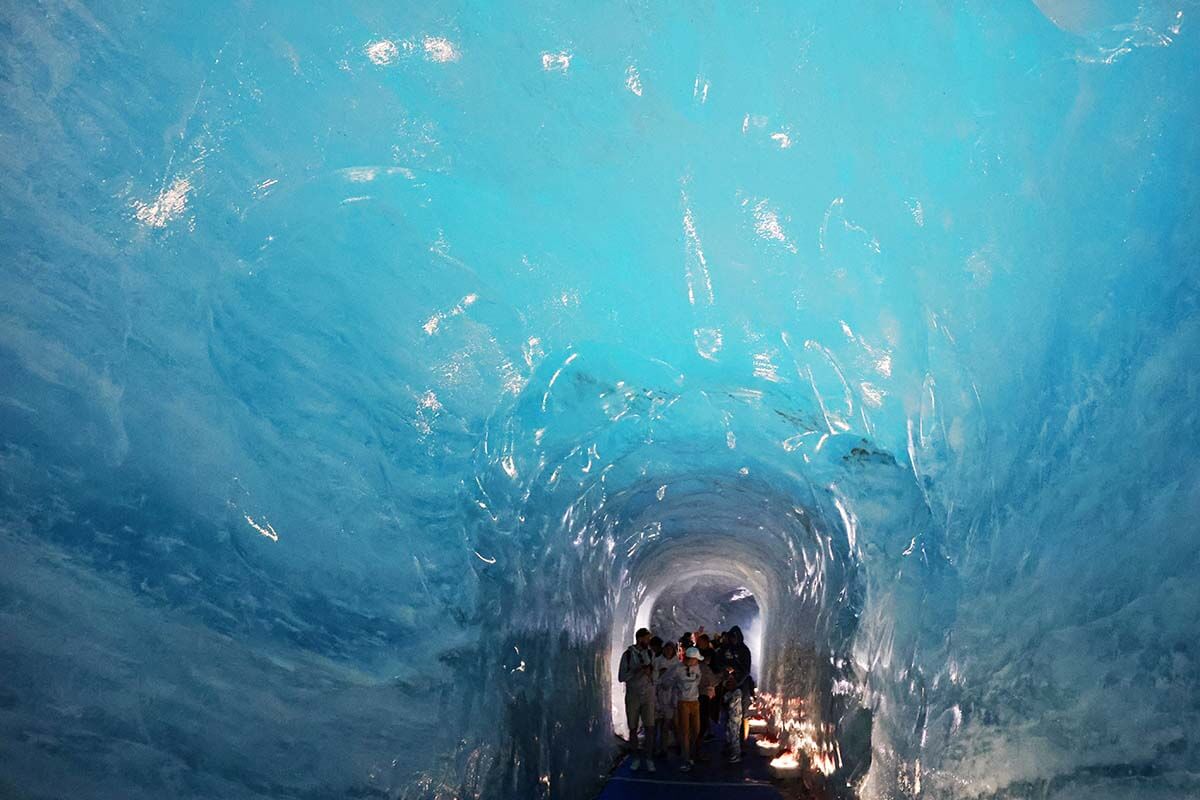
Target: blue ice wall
{"x":362,"y":367}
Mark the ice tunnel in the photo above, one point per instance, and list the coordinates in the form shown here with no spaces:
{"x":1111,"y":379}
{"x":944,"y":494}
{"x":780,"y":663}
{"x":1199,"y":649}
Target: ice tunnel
{"x":370,"y":371}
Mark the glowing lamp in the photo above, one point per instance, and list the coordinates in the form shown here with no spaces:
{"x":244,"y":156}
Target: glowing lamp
{"x":766,"y":746}
{"x":785,"y":765}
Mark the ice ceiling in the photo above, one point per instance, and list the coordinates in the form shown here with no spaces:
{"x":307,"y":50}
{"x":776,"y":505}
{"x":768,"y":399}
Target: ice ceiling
{"x":368,"y":371}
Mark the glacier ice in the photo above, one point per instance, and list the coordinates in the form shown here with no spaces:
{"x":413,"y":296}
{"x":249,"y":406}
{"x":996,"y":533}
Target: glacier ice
{"x":367,"y":373}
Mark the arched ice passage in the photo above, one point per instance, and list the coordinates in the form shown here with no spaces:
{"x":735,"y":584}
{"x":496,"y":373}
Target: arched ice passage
{"x":581,"y":465}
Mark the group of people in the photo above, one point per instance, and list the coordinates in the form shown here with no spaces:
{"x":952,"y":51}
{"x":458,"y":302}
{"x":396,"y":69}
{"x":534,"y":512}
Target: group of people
{"x":682,"y":690}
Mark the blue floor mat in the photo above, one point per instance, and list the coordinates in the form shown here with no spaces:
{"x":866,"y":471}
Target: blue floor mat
{"x":715,"y":779}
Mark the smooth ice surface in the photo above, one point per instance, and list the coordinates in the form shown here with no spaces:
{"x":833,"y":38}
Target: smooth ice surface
{"x":367,"y":369}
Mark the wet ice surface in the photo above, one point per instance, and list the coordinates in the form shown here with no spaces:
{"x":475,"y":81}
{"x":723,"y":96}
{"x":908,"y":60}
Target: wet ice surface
{"x":363,"y":372}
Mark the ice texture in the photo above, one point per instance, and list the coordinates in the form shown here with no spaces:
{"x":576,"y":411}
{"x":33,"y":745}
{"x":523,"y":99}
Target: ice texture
{"x":368,"y":370}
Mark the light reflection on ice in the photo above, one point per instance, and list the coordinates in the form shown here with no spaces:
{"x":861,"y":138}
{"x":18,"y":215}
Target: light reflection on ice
{"x":440,"y":49}
{"x":169,"y":205}
{"x":556,"y":62}
{"x":382,"y":52}
{"x":633,"y":81}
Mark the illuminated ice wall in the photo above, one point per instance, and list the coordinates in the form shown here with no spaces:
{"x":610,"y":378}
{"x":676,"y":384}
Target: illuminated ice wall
{"x":368,"y":369}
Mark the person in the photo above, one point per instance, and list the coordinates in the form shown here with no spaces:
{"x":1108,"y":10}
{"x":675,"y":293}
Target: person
{"x":737,"y":654}
{"x":704,"y":645}
{"x":737,"y":662}
{"x":719,"y":643}
{"x":656,"y":646}
{"x":709,"y":710}
{"x":732,"y":701}
{"x":708,"y":694}
{"x":637,"y":673}
{"x":688,"y":679}
{"x":717,"y":663}
{"x":666,"y":697}
{"x":685,"y":641}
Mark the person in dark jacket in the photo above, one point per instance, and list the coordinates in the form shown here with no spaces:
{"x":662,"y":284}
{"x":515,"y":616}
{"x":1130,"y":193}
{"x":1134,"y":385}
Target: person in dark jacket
{"x":737,"y":662}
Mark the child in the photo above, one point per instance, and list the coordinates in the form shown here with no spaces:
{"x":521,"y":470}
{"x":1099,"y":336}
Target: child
{"x":688,"y":678}
{"x":666,"y":696}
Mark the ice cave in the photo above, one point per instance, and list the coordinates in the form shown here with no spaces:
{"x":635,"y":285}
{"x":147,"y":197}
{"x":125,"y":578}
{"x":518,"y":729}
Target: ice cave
{"x":370,"y":371}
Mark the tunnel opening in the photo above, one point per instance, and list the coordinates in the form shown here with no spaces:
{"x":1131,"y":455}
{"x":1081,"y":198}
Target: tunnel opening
{"x":582,"y":495}
{"x":770,"y":567}
{"x":707,"y":603}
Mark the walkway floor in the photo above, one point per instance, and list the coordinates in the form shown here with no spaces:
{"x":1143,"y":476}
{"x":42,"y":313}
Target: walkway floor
{"x":714,"y":780}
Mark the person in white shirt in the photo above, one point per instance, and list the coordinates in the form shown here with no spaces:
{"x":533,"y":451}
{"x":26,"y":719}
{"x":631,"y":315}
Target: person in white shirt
{"x":690,"y":681}
{"x":637,"y":673}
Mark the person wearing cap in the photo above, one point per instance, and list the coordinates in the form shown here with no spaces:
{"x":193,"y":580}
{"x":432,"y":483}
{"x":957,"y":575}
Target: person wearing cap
{"x":690,"y":682}
{"x":637,"y":673}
